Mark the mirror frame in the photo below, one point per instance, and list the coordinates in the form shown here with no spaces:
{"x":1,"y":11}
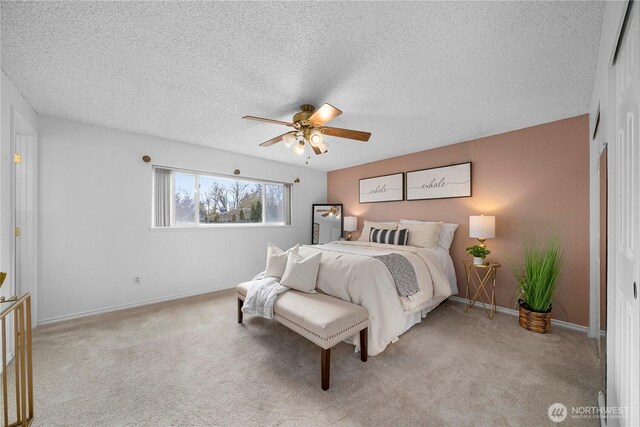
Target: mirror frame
{"x":313,"y":213}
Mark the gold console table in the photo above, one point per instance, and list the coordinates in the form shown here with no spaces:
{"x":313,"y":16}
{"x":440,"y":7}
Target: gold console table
{"x":19,"y":310}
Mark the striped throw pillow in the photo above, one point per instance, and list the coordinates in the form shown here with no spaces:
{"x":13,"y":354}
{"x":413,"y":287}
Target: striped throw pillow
{"x":391,"y":237}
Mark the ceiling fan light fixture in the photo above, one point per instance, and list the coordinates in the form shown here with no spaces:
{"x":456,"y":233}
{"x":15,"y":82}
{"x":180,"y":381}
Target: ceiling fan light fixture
{"x":299,"y":148}
{"x":323,"y":147}
{"x":315,"y":138}
{"x":289,"y":139}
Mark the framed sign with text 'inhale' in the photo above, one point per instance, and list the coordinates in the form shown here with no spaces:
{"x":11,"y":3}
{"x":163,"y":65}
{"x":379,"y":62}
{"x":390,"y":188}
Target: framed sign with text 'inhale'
{"x":386,"y":188}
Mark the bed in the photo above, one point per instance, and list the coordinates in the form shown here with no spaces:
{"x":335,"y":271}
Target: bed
{"x":350,"y":272}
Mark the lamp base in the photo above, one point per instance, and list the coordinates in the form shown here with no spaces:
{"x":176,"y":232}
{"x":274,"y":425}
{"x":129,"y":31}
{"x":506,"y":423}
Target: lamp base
{"x":348,"y":235}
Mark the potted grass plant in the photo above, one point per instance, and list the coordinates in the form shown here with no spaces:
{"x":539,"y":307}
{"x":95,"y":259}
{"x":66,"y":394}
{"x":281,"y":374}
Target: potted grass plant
{"x":537,"y":279}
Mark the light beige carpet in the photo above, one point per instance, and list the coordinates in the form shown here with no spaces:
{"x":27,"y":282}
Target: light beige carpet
{"x":187,"y":363}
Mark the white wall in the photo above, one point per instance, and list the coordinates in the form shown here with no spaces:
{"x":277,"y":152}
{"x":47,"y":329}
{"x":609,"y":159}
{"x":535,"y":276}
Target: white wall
{"x":95,"y":206}
{"x":11,"y":99}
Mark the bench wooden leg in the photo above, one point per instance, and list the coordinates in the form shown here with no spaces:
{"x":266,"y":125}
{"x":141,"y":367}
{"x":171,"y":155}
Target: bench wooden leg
{"x":364,"y":336}
{"x":240,"y":304}
{"x":325,"y":364}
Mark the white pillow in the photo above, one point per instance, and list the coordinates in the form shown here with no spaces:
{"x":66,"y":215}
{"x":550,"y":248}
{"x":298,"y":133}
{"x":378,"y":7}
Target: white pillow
{"x":445,"y":236}
{"x":423,"y":235}
{"x":277,"y":260}
{"x":301,"y":273}
{"x":366,"y":230}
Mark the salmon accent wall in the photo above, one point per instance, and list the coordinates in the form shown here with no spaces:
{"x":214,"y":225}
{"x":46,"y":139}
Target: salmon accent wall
{"x":533,"y":180}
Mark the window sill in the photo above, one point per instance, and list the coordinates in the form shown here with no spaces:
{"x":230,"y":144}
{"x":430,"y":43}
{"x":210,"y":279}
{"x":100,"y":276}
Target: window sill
{"x":217,"y":227}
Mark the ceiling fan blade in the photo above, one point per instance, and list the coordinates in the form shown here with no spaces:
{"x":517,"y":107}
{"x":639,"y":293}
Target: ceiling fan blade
{"x":316,"y":149}
{"x":324,"y":114}
{"x":347,"y":133}
{"x":273,"y":140}
{"x":327,"y":214}
{"x":262,"y":119}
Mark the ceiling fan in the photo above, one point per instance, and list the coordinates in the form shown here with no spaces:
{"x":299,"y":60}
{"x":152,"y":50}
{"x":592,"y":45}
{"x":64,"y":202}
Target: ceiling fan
{"x":309,"y":125}
{"x":332,"y":211}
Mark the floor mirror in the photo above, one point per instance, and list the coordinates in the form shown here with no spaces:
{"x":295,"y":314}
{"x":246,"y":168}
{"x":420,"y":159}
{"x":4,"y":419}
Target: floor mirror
{"x":328,"y":223}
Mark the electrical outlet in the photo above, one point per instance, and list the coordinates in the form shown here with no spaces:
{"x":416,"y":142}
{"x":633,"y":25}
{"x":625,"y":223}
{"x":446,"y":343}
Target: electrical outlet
{"x":137,"y":280}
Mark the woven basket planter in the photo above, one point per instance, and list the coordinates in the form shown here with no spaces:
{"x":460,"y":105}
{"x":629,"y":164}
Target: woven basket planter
{"x":533,"y":320}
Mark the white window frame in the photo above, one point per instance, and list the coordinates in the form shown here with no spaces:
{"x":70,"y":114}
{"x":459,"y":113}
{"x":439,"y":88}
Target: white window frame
{"x":288,"y":186}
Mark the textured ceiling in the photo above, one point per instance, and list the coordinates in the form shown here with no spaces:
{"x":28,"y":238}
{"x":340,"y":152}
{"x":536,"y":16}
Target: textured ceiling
{"x":416,"y":75}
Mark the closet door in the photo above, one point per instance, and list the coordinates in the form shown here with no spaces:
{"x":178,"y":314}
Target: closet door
{"x":624,"y":372}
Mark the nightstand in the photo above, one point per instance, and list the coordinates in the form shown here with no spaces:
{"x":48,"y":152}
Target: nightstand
{"x":481,"y":277}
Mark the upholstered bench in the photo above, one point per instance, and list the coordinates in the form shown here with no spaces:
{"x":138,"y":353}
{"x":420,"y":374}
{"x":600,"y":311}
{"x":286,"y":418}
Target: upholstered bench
{"x":320,"y":318}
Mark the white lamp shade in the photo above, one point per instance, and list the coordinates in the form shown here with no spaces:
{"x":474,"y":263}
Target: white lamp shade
{"x":289,"y":139}
{"x":350,"y":223}
{"x":482,"y":226}
{"x":315,"y":138}
{"x":299,"y":148}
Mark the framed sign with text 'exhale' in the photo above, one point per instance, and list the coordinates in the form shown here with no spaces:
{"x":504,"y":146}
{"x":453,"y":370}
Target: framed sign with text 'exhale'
{"x":440,"y":183}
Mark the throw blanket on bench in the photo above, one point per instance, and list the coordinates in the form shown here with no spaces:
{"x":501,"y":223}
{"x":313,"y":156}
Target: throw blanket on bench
{"x":261,"y":295}
{"x":403,"y":274}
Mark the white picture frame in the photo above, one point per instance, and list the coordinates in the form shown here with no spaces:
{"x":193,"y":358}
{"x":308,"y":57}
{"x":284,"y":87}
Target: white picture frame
{"x":444,"y":182}
{"x":385,"y":188}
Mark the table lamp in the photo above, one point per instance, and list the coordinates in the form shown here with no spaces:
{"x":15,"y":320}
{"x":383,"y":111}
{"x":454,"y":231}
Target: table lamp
{"x":482,"y":227}
{"x":350,"y":224}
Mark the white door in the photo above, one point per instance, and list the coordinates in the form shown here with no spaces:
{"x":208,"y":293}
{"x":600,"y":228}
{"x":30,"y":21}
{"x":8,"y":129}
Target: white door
{"x":624,"y":308}
{"x":20,"y":258}
{"x":25,"y":213}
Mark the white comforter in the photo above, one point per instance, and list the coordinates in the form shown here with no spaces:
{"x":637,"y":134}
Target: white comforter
{"x":348,"y":271}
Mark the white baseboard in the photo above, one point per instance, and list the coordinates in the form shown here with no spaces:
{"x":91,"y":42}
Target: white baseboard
{"x":513,"y":312}
{"x":131,"y":305}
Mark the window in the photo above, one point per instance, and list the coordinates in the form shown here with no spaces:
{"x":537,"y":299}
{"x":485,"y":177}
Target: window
{"x":184,"y":198}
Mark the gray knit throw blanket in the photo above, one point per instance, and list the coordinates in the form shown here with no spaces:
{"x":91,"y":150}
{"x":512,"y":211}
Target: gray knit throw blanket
{"x":404,"y":276}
